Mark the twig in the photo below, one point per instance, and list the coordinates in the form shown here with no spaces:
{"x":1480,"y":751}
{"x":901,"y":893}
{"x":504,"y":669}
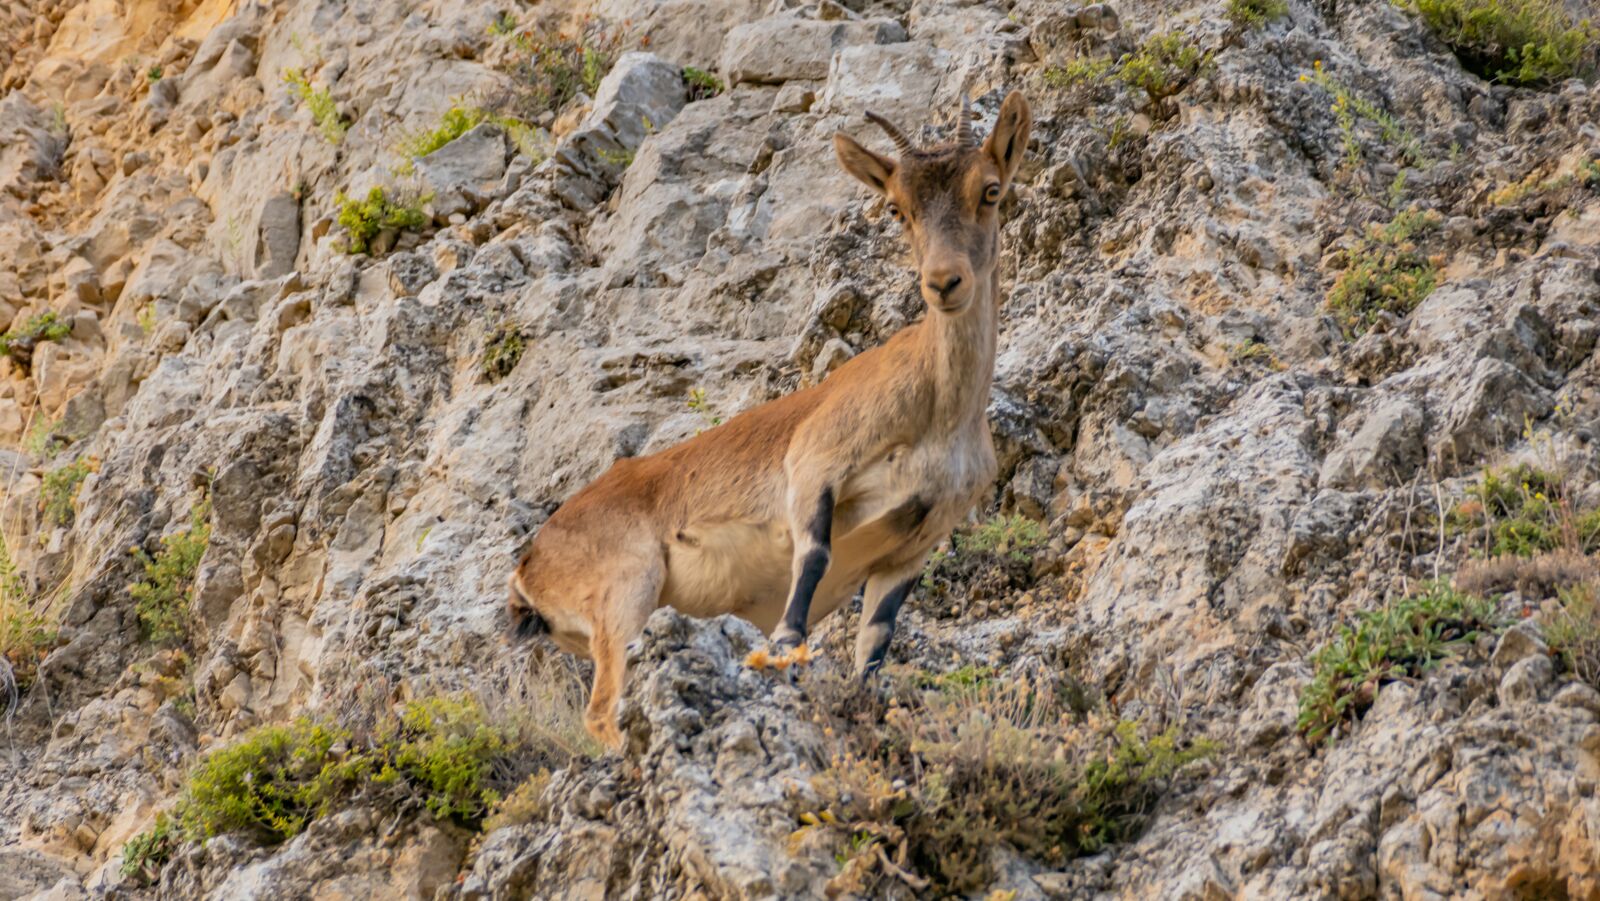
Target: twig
{"x":1438,"y":554}
{"x":911,"y":879}
{"x":8,"y":687}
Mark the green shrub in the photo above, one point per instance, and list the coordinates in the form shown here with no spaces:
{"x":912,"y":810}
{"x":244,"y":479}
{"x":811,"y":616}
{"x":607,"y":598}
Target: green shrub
{"x":1525,"y":511}
{"x":445,"y":754}
{"x":1386,"y":272}
{"x":1005,"y":543}
{"x":1526,"y":42}
{"x":554,"y":67}
{"x":60,"y":490}
{"x":1014,"y":537}
{"x":363,"y":220}
{"x":1586,"y":175}
{"x":20,"y":341}
{"x":502,"y":351}
{"x":503,"y":25}
{"x":1253,"y":350}
{"x":1353,"y":111}
{"x":1396,"y":194}
{"x":621,"y":157}
{"x":1162,"y":66}
{"x":43,"y":441}
{"x":1401,"y":640}
{"x":1516,"y":191}
{"x":1256,"y":13}
{"x":272,"y":782}
{"x":702,"y":85}
{"x":324,"y":112}
{"x":161,"y":598}
{"x":146,"y":853}
{"x":1119,"y":786}
{"x":153,"y":74}
{"x":529,"y":140}
{"x":1082,"y":70}
{"x":25,"y":633}
{"x":964,"y":678}
{"x":1573,"y":632}
{"x":456,"y":122}
{"x":448,"y":751}
{"x":952,"y":775}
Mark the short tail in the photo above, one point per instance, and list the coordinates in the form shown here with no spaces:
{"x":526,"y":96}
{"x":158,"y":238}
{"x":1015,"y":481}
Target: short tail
{"x":526,"y":623}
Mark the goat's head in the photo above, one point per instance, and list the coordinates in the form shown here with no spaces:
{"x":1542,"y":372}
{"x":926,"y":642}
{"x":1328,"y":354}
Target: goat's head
{"x":947,"y":197}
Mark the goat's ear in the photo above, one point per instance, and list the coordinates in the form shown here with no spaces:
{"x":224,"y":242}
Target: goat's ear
{"x":1009,"y":140}
{"x":873,"y":170}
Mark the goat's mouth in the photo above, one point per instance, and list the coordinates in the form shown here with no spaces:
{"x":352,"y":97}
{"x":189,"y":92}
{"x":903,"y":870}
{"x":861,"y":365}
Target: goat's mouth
{"x":951,"y":307}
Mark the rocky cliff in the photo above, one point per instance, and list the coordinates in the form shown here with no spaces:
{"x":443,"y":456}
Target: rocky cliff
{"x":1296,"y":406}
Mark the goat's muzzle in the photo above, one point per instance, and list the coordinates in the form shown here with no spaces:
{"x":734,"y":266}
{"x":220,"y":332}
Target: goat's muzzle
{"x":526,"y":624}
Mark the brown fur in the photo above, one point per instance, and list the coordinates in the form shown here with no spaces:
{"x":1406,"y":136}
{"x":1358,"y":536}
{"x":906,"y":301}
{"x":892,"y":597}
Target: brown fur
{"x":895,"y":439}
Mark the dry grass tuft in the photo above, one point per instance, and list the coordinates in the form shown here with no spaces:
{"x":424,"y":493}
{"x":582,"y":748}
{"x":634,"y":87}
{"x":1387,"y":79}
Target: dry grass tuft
{"x":929,"y":779}
{"x":1535,"y":578}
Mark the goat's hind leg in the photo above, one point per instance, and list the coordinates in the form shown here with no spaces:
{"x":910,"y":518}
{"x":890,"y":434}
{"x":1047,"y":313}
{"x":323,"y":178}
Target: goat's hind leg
{"x":629,"y":597}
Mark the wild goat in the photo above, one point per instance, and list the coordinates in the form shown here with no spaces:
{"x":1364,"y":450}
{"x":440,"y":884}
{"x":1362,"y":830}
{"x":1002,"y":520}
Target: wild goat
{"x":809,"y":496}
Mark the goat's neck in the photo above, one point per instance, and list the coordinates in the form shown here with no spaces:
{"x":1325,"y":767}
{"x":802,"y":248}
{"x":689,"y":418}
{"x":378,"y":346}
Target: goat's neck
{"x":960,"y":355}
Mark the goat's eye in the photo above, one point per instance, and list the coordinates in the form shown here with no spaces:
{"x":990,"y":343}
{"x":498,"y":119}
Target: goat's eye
{"x":991,"y":194}
{"x":894,"y":210}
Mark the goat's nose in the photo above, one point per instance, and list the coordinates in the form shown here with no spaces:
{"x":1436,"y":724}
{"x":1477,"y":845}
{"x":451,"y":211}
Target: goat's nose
{"x":943,"y":284}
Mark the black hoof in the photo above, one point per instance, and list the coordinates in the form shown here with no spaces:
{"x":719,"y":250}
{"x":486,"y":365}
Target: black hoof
{"x":783,"y":645}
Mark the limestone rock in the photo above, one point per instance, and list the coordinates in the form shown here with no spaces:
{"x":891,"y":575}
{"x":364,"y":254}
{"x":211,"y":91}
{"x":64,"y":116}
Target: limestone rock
{"x":1226,"y":478}
{"x":1523,"y":681}
{"x":1517,"y":644}
{"x":279,"y":236}
{"x":641,"y":94}
{"x":463,"y":173}
{"x":1384,"y":450}
{"x":29,"y":151}
{"x":779,"y":48}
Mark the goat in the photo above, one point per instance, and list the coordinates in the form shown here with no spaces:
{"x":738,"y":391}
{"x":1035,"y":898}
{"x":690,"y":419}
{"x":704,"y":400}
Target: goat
{"x":808,"y":496}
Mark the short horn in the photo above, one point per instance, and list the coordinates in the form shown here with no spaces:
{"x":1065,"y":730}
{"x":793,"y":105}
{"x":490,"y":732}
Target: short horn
{"x":901,"y":142}
{"x":964,"y":138}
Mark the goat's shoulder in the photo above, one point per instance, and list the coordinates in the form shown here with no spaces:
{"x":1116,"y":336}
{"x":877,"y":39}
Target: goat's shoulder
{"x":882,"y":388}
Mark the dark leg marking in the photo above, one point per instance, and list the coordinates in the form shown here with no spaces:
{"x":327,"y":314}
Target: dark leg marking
{"x":909,"y":516}
{"x":882,"y":623}
{"x":812,"y":568}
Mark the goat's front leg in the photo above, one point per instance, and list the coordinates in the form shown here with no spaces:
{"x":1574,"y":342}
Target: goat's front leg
{"x":631,"y":595}
{"x":811,"y":523}
{"x":886,"y":592}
